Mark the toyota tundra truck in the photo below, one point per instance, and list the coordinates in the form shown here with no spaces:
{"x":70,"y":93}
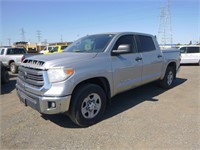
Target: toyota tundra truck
{"x":82,"y":80}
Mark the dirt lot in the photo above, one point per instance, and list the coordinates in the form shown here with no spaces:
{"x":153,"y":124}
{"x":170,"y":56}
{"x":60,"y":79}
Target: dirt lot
{"x":144,"y":118}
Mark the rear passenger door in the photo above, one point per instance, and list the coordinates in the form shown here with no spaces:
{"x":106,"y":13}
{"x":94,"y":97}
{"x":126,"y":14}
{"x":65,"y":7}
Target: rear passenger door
{"x":152,"y":58}
{"x":127,"y":68}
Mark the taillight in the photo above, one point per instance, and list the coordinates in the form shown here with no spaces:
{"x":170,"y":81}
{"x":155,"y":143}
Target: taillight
{"x":22,"y":59}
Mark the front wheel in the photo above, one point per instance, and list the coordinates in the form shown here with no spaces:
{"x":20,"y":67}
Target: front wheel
{"x":88,"y":105}
{"x":168,"y":79}
{"x":13,"y":68}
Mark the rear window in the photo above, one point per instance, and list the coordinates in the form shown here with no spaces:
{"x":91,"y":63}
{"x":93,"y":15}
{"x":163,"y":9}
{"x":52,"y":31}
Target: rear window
{"x":14,"y":51}
{"x":146,"y":43}
{"x":193,"y":49}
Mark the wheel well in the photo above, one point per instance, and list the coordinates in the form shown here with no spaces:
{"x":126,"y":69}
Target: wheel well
{"x":101,"y":81}
{"x":11,"y":62}
{"x":173,"y":65}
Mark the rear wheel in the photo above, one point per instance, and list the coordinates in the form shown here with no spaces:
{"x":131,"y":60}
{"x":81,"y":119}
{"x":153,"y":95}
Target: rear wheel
{"x":168,"y":79}
{"x":88,"y":105}
{"x":13,"y":68}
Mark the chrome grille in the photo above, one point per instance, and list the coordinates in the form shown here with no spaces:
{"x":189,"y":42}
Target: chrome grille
{"x":34,"y":62}
{"x":33,"y":77}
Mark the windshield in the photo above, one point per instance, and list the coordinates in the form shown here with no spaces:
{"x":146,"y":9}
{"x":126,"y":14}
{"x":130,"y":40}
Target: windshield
{"x":90,"y":44}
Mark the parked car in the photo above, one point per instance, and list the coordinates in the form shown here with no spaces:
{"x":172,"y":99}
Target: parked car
{"x":56,"y":49}
{"x":11,"y":57}
{"x":81,"y":80}
{"x":4,"y":74}
{"x":47,"y":49}
{"x":190,"y":54}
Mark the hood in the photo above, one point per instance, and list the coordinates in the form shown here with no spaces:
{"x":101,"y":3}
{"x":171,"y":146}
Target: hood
{"x":56,"y":60}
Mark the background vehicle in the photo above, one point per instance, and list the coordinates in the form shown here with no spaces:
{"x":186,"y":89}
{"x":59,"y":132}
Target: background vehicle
{"x":56,"y":49}
{"x":47,"y":49}
{"x":4,"y":74}
{"x":190,"y":54}
{"x":11,"y":57}
{"x":30,"y":47}
{"x":82,"y":79}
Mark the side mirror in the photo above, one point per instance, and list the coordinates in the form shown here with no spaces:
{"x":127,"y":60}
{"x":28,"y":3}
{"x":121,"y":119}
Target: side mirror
{"x":122,"y":49}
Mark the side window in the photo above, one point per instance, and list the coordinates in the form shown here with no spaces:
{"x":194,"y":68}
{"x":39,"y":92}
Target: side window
{"x":10,"y":52}
{"x":145,"y":43}
{"x":2,"y":51}
{"x":193,"y":49}
{"x":126,"y":39}
{"x":183,"y":50}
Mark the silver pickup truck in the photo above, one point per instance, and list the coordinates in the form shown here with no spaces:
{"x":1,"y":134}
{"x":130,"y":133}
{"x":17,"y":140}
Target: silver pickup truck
{"x":11,"y":57}
{"x":82,"y":80}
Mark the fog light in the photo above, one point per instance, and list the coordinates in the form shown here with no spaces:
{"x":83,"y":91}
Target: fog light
{"x":51,"y":104}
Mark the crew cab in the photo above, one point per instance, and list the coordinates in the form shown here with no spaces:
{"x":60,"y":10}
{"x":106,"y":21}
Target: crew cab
{"x":82,"y":80}
{"x":11,"y":57}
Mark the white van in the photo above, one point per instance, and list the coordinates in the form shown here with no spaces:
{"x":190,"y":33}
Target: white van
{"x":190,"y":54}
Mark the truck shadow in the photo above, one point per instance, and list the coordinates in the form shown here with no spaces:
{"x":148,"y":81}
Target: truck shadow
{"x":120,"y":103}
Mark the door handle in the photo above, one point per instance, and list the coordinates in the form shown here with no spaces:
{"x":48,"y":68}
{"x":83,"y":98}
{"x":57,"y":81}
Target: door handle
{"x":159,"y":56}
{"x":138,"y":58}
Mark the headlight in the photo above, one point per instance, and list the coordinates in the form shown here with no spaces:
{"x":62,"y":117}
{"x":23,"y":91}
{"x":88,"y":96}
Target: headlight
{"x":59,"y":74}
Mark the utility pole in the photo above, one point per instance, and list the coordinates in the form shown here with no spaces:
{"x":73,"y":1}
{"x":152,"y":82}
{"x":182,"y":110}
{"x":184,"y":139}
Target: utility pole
{"x":38,"y":33}
{"x":9,"y":41}
{"x":161,"y":30}
{"x":23,"y":34}
{"x":168,"y":24}
{"x":165,"y":28}
{"x":61,"y":38}
{"x":45,"y":41}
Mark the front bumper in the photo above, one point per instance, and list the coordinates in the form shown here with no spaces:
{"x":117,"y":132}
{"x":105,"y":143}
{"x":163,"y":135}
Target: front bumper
{"x":43,"y":104}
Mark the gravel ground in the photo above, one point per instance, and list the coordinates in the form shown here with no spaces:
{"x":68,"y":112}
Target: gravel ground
{"x":144,"y":118}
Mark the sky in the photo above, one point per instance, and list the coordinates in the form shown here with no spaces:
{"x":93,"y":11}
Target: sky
{"x":71,"y":19}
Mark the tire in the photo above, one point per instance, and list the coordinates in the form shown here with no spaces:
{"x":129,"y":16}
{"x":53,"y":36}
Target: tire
{"x":199,"y":63}
{"x":168,"y":80}
{"x":13,"y":68}
{"x":5,"y":76}
{"x":88,"y":105}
